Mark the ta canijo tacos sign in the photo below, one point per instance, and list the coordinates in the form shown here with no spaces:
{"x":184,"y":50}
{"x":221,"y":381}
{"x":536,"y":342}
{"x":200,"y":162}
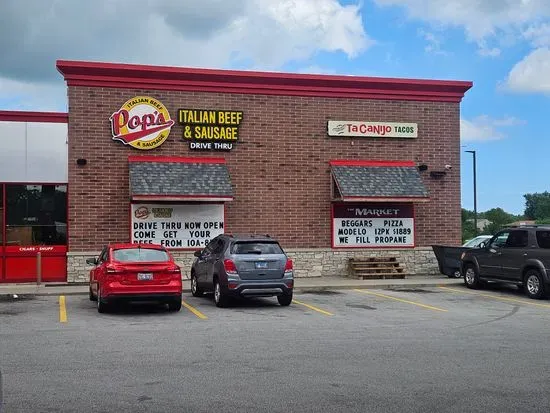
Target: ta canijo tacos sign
{"x":372,"y":129}
{"x":142,"y":122}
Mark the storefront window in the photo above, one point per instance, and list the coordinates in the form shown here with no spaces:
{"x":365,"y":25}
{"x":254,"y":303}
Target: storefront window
{"x":1,"y":214}
{"x":36,"y":215}
{"x":33,"y":152}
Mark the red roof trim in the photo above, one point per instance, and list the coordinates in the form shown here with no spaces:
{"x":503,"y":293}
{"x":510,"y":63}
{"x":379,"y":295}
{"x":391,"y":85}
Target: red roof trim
{"x":27,"y":116}
{"x":262,"y":91}
{"x":407,"y":198}
{"x":117,"y":75}
{"x":353,"y":162}
{"x":173,"y":159}
{"x":180,"y":197}
{"x":386,"y":197}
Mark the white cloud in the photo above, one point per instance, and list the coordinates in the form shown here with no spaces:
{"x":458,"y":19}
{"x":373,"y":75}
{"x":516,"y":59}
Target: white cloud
{"x":33,"y":96}
{"x":316,"y":70}
{"x":494,"y":25}
{"x":538,"y":34}
{"x":485,"y":128}
{"x":250,"y":34}
{"x":433,"y":41}
{"x":211,"y":33}
{"x":532,"y":74}
{"x":487,"y":51}
{"x":489,"y":23}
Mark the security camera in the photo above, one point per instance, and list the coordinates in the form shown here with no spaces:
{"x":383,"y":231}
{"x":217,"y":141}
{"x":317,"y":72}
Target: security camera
{"x":448,"y":167}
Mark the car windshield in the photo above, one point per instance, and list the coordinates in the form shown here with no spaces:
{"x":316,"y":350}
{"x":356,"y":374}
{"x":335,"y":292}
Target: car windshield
{"x":475,"y":242}
{"x":255,"y":247}
{"x":140,"y":255}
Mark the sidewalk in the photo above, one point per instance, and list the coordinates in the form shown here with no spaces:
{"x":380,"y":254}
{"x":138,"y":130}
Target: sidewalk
{"x":300,"y":285}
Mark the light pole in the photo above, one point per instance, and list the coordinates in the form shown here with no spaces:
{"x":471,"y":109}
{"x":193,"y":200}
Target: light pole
{"x":475,"y":192}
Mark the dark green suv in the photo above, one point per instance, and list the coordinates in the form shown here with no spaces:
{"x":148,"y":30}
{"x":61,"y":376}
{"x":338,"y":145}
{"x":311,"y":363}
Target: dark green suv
{"x":519,"y":255}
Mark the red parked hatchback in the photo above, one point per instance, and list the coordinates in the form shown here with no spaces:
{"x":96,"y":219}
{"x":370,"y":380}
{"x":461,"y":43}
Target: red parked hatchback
{"x":135,"y":272}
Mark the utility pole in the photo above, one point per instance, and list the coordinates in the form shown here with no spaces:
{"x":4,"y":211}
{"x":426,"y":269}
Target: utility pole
{"x":475,"y":191}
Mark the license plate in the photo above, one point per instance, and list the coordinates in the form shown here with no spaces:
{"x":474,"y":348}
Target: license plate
{"x":143,"y":276}
{"x":261,"y":264}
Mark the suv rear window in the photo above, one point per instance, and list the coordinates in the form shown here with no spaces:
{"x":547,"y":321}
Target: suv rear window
{"x":255,"y":247}
{"x":518,"y":239}
{"x":543,"y":239}
{"x":140,"y":255}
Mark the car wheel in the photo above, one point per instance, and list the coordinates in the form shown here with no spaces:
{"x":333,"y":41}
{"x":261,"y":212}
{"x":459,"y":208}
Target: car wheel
{"x":195,"y":289}
{"x":174,"y":305}
{"x":284,"y":299}
{"x":534,"y":284}
{"x":91,"y":295}
{"x":101,"y":304}
{"x":471,"y":277}
{"x":455,"y":274}
{"x":219,"y":297}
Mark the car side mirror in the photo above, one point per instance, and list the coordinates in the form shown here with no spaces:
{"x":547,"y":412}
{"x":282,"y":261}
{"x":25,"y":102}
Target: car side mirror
{"x":91,"y":261}
{"x":197,"y":253}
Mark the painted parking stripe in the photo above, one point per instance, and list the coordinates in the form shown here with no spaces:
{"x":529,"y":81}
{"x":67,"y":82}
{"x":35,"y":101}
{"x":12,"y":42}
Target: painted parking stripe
{"x":429,"y":307}
{"x":496,"y":297}
{"x":194,"y":311}
{"x":62,"y":309}
{"x":311,"y":307}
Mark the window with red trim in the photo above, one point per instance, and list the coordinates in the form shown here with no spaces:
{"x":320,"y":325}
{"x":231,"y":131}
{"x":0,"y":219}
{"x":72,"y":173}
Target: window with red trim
{"x":1,"y":214}
{"x":36,"y":214}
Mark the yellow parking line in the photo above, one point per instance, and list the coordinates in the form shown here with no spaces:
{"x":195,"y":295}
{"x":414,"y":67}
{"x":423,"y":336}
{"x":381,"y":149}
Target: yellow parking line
{"x":62,"y":309}
{"x":429,"y":307}
{"x":194,"y":311}
{"x":514,"y":300}
{"x":312,"y":307}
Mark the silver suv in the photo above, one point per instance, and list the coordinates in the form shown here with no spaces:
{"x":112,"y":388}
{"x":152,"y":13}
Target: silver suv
{"x":243,"y":266}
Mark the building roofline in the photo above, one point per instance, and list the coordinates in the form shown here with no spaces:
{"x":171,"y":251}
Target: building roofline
{"x":122,"y":75}
{"x":28,"y":116}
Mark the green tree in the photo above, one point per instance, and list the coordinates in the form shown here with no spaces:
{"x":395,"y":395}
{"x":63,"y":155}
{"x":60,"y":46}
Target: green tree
{"x":537,"y":205}
{"x":499,"y":216}
{"x":468,"y":231}
{"x":467,"y":214}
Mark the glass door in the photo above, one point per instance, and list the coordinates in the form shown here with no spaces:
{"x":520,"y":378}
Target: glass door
{"x":2,"y":231}
{"x":35,"y":240}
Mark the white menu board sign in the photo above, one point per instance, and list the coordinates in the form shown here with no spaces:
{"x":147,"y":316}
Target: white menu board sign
{"x":373,"y":225}
{"x":177,"y":226}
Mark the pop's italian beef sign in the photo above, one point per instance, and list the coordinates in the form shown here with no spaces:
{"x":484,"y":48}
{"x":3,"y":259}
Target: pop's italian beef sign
{"x":177,"y":226}
{"x":142,"y":122}
{"x":373,"y":225}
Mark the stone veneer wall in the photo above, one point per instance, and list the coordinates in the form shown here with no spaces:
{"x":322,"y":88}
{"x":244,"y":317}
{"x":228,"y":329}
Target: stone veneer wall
{"x":307,"y":262}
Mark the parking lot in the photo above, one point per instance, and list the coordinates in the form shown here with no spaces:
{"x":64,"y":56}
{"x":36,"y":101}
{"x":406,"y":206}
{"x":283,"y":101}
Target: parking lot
{"x":445,"y":349}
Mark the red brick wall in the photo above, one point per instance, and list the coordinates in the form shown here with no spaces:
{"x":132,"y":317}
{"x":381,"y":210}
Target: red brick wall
{"x":279,"y":167}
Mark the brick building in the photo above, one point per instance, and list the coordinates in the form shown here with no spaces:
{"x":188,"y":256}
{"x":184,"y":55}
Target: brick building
{"x":333,"y":166}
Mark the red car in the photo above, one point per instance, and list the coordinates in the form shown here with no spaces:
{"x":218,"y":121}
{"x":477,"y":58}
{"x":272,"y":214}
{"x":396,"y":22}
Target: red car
{"x":135,"y":272}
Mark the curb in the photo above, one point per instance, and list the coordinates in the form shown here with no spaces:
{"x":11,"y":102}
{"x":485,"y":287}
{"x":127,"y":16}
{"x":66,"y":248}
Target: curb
{"x":369,"y":287}
{"x":297,"y":289}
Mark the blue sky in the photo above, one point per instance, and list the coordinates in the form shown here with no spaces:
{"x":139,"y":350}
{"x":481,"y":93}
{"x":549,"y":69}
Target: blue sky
{"x":500,"y":45}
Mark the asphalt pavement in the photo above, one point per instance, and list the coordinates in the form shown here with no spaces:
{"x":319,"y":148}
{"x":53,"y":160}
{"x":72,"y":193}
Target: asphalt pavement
{"x":301,"y":284}
{"x":442,"y":348}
